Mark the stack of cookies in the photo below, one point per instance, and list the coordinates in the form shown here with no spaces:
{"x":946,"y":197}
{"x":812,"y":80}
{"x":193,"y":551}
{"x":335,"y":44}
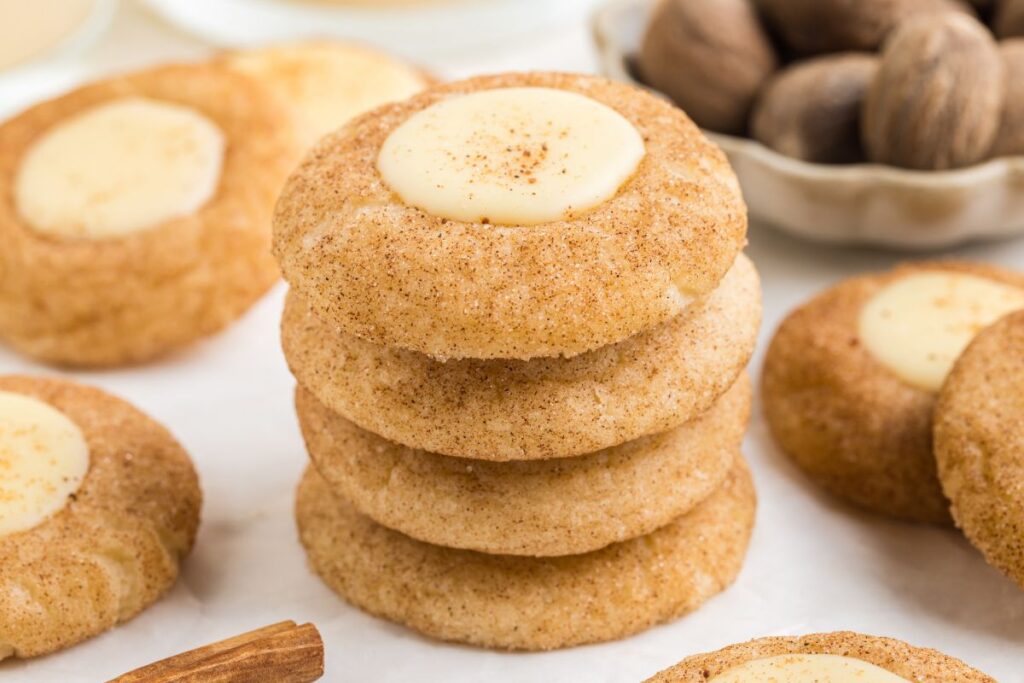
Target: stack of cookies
{"x":519,"y":320}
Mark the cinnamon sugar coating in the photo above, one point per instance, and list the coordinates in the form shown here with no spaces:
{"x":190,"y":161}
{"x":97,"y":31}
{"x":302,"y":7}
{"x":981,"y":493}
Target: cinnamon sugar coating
{"x":541,"y":508}
{"x":118,"y":544}
{"x":391,"y":274}
{"x":979,"y":444}
{"x":528,"y":603}
{"x":543,"y":408}
{"x":852,"y":425}
{"x":913,"y":663}
{"x":133,"y":298}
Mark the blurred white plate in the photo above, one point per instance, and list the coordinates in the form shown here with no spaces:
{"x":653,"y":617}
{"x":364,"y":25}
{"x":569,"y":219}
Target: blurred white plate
{"x":56,"y":69}
{"x":415,"y":30}
{"x":865,"y":204}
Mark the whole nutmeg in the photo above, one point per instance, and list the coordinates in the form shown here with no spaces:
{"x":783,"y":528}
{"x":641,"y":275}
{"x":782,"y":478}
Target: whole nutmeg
{"x":710,"y":57}
{"x":937,"y":98}
{"x":1009,"y":18}
{"x":811,"y":26}
{"x":1010,"y":139}
{"x":811,"y":110}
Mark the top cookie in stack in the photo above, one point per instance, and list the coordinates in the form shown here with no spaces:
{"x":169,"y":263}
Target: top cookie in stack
{"x":511,"y":216}
{"x":519,"y":319}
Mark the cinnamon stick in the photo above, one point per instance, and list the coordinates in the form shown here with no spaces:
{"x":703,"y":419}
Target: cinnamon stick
{"x":280,"y":653}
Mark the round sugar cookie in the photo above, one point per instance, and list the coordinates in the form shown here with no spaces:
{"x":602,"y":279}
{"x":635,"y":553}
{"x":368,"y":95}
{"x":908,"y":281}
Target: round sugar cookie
{"x":564,"y":506}
{"x":135,"y":213}
{"x":98,"y":507}
{"x":510,"y":216}
{"x":327,"y":82}
{"x":527,"y":603}
{"x":851,"y":377}
{"x":979,"y":444}
{"x":543,"y":408}
{"x":822,"y":658}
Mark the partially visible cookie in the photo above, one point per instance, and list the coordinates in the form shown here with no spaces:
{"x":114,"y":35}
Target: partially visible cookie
{"x":524,"y":603}
{"x":98,"y":507}
{"x":135,"y":213}
{"x":542,"y":508}
{"x":326,"y":82}
{"x":839,"y":657}
{"x":851,"y":377}
{"x":979,"y":443}
{"x":543,"y":408}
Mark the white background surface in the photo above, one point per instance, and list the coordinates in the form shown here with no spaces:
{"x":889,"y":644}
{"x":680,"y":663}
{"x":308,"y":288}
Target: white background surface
{"x":814,"y":565}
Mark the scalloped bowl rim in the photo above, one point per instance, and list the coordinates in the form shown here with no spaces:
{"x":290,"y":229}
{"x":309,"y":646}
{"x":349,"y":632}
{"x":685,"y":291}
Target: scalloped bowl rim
{"x":866,"y":172}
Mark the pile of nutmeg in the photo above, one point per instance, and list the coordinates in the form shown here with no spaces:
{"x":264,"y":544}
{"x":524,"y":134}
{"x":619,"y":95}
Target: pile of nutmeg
{"x":920,"y":84}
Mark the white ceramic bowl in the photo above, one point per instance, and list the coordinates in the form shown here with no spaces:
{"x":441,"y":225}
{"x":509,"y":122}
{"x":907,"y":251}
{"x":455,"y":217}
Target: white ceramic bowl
{"x":56,"y":69}
{"x":420,"y":30}
{"x":867,"y":204}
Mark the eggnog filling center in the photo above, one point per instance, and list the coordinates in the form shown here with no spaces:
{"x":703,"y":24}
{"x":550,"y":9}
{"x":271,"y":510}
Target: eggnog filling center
{"x":328,"y":84}
{"x":511,"y":156}
{"x":43,"y":460}
{"x":801,"y":668}
{"x":920,"y":324}
{"x":118,"y":168}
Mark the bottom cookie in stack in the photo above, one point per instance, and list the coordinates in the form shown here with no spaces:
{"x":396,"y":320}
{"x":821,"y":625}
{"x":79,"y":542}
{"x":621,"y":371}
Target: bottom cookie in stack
{"x":529,"y":603}
{"x":529,"y":555}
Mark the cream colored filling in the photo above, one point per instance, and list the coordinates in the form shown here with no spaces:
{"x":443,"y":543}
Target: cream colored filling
{"x":920,"y":324}
{"x":801,"y":668}
{"x":329,"y":83}
{"x":43,"y":460}
{"x":119,"y":168}
{"x":511,"y":156}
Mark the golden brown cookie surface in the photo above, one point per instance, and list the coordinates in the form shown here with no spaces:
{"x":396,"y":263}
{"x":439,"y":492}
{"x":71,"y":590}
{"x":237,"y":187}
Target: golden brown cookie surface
{"x":395,"y":275}
{"x":979,"y":444}
{"x":896,"y":659}
{"x":115,"y":547}
{"x":541,"y":508}
{"x":542,"y":408}
{"x":846,"y":419}
{"x":520,"y":603}
{"x":129,"y":298}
